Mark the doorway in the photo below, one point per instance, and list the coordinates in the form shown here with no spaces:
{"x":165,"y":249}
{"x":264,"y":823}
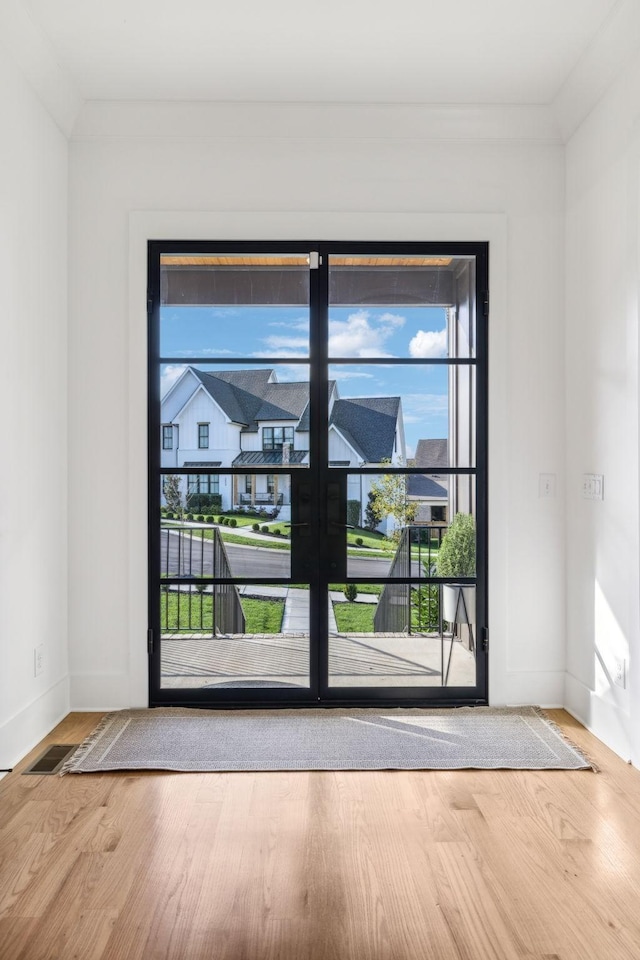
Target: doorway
{"x":317,"y":473}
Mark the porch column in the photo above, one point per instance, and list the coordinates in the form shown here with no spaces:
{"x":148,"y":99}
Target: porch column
{"x":253,"y":490}
{"x":234,"y":494}
{"x":275,"y":489}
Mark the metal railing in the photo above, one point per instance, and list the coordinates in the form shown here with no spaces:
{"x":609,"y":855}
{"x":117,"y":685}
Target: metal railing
{"x":403,"y":607}
{"x":260,"y":499}
{"x":188,"y":552}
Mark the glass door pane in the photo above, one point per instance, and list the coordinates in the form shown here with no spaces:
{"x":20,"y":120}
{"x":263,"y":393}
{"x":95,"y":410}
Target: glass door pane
{"x":232,"y":445}
{"x":402,"y":435}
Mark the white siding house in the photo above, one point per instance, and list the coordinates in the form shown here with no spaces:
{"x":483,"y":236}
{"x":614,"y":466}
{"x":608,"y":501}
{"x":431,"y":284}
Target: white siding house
{"x":247,"y":417}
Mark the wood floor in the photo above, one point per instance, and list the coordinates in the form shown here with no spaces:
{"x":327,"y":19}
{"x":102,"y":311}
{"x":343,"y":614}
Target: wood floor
{"x":308,"y":866}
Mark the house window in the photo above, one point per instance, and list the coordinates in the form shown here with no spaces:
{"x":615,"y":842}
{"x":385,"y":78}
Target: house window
{"x":167,"y":438}
{"x":271,"y":483}
{"x":204,"y":483}
{"x":438,"y":514}
{"x":248,"y":483}
{"x":203,"y":436}
{"x":274,"y":438}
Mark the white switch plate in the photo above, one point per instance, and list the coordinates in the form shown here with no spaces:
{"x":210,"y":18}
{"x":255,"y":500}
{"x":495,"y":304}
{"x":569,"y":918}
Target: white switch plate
{"x":547,"y":485}
{"x":38,"y":659}
{"x":620,"y":673}
{"x":593,"y":486}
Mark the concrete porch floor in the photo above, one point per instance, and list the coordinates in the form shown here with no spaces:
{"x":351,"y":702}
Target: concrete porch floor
{"x":195,"y":660}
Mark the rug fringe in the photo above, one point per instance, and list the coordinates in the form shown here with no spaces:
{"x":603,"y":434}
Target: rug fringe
{"x":86,"y":744}
{"x":569,"y":742}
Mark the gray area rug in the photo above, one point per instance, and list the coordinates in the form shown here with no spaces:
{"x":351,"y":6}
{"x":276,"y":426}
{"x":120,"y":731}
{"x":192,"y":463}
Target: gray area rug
{"x":355,"y":739}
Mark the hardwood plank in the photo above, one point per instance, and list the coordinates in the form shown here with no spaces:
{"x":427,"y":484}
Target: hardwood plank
{"x":373,"y":865}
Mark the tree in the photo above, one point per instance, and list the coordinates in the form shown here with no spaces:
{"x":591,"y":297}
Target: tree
{"x":390,"y":499}
{"x":371,"y":517}
{"x":173,"y":494}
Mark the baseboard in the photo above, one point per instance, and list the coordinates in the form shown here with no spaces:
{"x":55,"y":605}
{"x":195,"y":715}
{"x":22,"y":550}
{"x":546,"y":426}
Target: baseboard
{"x":606,"y":720}
{"x":22,"y":732}
{"x":93,"y":692}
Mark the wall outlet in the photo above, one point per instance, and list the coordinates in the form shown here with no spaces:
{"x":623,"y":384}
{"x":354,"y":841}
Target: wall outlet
{"x":593,"y":486}
{"x":38,"y":659}
{"x":620,"y":672}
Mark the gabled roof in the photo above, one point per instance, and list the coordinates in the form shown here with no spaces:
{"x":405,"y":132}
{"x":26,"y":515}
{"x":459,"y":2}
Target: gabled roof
{"x":419,"y":485}
{"x":432,"y":453}
{"x":368,"y":424}
{"x":284,"y":401}
{"x":238,"y":393}
{"x":249,"y":396}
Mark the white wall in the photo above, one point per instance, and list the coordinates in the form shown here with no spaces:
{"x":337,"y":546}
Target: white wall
{"x":33,"y":398}
{"x":387,"y":173}
{"x":603,"y":288}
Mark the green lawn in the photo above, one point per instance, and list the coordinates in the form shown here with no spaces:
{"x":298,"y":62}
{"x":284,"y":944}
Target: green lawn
{"x":196,"y":613}
{"x":354,"y":617}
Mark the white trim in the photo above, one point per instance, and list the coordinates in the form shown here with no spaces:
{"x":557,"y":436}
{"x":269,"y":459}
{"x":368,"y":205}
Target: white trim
{"x":604,"y":60}
{"x":375,"y":122}
{"x":32,"y":52}
{"x":385,"y":227}
{"x":22,"y":732}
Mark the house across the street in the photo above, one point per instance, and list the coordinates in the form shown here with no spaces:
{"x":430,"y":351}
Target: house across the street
{"x":237,"y":418}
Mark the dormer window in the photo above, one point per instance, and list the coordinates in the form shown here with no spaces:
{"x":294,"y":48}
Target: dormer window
{"x":274,"y":438}
{"x":167,"y":437}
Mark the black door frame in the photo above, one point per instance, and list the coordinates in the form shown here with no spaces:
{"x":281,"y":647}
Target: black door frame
{"x":318,"y":476}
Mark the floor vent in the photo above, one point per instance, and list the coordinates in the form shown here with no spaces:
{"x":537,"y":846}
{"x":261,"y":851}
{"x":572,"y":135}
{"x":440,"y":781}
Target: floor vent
{"x":52,"y":759}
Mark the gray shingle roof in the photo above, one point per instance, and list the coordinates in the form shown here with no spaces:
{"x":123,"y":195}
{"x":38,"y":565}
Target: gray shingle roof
{"x":432,"y":453}
{"x":284,"y":401}
{"x":368,"y":424}
{"x":238,"y":392}
{"x":418,"y":485}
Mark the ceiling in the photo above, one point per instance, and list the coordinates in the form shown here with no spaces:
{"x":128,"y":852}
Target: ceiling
{"x":365,"y":51}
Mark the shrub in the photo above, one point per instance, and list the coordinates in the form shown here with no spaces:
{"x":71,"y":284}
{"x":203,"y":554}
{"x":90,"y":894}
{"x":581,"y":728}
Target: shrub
{"x":204,"y":502}
{"x":169,"y":514}
{"x":276,"y":531}
{"x":189,"y":516}
{"x":255,"y":527}
{"x":265,"y":529}
{"x":233,"y":522}
{"x":359,"y":541}
{"x":200,"y":518}
{"x":220,"y":519}
{"x":353,"y":513}
{"x":350,"y":591}
{"x":208,"y":519}
{"x":457,"y":554}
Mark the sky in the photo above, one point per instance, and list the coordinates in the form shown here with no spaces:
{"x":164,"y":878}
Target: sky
{"x":216,"y":333}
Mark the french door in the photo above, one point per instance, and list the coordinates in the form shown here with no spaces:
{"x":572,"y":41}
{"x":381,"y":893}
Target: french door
{"x":317,"y":473}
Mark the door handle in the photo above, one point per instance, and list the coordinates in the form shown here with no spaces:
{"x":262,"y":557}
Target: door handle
{"x":292,"y":525}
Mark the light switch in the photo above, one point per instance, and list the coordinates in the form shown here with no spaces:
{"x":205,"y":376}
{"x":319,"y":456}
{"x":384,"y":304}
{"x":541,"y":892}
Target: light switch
{"x":547,"y":485}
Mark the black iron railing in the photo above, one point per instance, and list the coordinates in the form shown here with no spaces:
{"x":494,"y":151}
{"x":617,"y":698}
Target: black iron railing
{"x":198,"y":552}
{"x":261,"y":499}
{"x":403,"y":607}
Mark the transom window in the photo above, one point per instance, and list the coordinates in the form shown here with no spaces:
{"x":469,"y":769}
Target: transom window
{"x":167,"y":438}
{"x":274,"y":438}
{"x":203,"y":436}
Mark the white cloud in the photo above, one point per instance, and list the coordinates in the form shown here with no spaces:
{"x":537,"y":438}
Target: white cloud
{"x":420,"y":406}
{"x":394,"y":319}
{"x":290,"y":343}
{"x":302,"y":324}
{"x":337,"y":374}
{"x":355,"y":337}
{"x":169,"y":376}
{"x":429,"y":343}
